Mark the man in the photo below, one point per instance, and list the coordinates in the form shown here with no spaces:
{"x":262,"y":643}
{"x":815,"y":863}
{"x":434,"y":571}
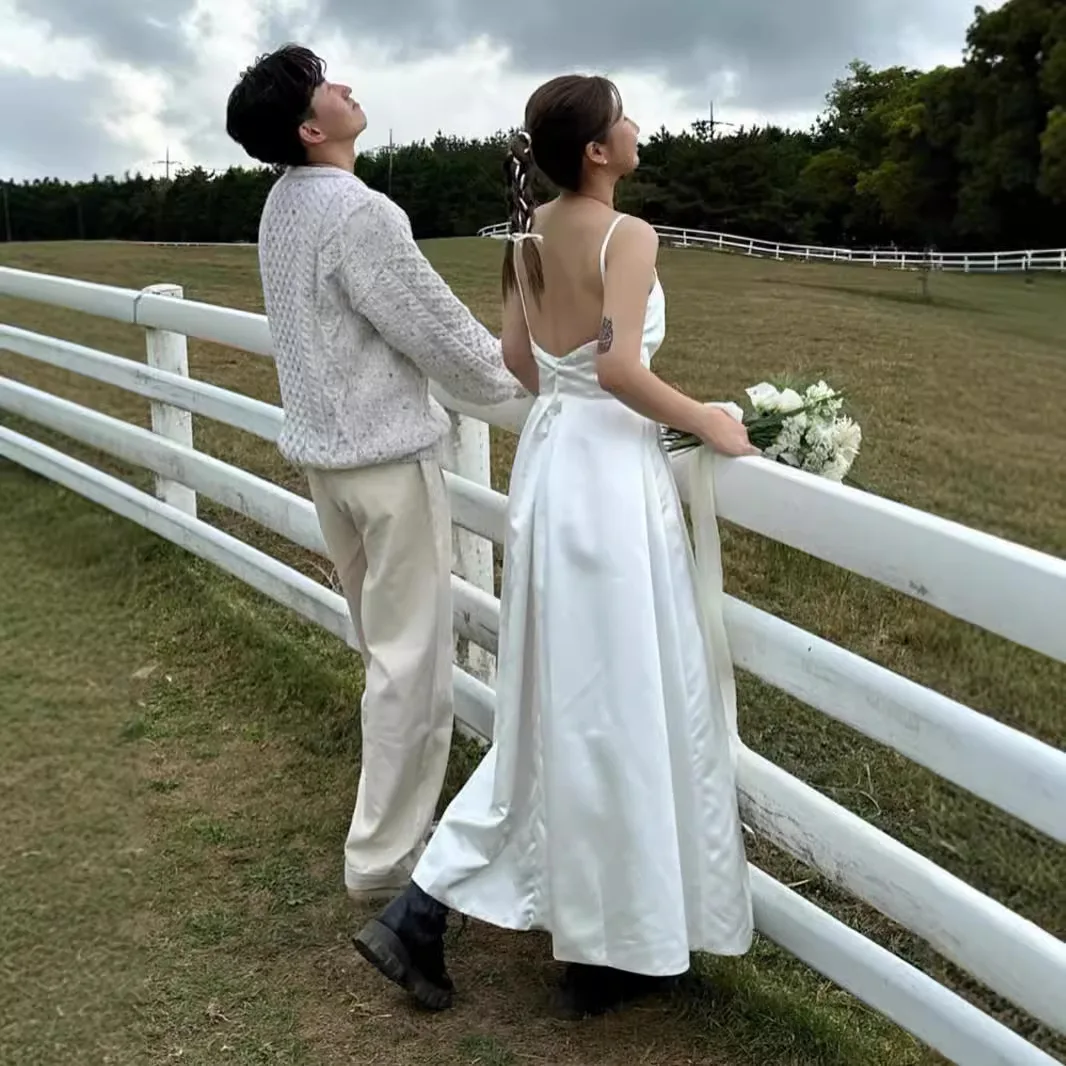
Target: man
{"x":360,"y":322}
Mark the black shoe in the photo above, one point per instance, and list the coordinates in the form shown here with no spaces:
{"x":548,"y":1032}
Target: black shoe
{"x":590,"y":991}
{"x":405,"y":943}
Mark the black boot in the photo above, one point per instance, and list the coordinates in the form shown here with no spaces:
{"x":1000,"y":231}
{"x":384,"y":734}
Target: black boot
{"x":406,"y":944}
{"x":589,"y":991}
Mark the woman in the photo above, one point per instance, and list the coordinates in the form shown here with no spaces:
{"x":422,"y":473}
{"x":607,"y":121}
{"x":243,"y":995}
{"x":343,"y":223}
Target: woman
{"x":605,"y":811}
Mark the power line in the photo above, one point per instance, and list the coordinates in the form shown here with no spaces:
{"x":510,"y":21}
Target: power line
{"x":166,"y":162}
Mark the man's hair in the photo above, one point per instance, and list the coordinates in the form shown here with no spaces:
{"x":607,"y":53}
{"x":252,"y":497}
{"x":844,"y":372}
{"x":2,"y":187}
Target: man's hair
{"x":270,"y":102}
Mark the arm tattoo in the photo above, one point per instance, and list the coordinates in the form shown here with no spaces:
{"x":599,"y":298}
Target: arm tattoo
{"x":606,"y":338}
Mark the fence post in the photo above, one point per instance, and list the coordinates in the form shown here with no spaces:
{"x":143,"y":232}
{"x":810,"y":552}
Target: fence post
{"x":170,"y":352}
{"x":470,"y":458}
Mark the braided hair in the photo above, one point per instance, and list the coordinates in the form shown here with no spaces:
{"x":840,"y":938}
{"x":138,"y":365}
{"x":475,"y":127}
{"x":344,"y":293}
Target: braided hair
{"x":518,"y":169}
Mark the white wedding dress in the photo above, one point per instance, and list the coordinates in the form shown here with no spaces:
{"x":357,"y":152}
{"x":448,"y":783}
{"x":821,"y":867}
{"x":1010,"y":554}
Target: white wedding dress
{"x":605,"y":811}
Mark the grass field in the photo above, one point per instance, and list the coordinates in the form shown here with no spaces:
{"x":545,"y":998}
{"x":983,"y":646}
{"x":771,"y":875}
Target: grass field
{"x":179,"y":756}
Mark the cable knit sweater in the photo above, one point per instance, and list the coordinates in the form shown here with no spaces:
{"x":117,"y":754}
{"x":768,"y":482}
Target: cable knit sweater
{"x":360,"y":322}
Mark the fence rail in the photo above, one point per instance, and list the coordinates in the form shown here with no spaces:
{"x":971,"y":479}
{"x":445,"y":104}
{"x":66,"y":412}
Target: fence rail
{"x":1016,"y":262}
{"x":1022,"y":597}
{"x":1020,"y":261}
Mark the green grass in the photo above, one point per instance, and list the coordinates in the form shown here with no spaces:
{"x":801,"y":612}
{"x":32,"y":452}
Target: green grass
{"x":179,"y":756}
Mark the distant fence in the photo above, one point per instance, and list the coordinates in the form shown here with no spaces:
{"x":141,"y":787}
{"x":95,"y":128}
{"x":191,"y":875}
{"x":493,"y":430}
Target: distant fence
{"x":1049,"y":259}
{"x":1007,"y":589}
{"x":1046,"y":260}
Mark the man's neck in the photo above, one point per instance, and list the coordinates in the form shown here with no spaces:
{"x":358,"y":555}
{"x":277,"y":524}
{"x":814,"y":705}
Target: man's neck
{"x":341,"y":156}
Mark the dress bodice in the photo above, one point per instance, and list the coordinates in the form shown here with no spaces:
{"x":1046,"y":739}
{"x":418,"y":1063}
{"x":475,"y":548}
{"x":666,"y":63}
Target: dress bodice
{"x":574,"y":374}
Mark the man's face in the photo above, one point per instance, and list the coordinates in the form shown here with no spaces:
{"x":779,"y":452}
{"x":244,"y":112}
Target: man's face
{"x":335,"y":116}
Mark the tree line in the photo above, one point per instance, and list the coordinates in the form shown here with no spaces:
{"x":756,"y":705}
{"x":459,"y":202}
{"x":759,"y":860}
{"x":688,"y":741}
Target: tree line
{"x":968,"y":157}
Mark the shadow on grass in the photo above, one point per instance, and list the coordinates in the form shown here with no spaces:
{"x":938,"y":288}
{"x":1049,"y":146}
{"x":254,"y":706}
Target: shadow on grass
{"x":933,"y":300}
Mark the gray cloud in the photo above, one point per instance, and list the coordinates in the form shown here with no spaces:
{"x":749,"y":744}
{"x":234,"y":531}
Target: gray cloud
{"x":143,"y":32}
{"x":784,"y":53}
{"x":203,"y":129}
{"x":59,"y":136}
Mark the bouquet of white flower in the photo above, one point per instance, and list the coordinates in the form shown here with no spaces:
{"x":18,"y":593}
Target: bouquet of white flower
{"x":805,"y":429}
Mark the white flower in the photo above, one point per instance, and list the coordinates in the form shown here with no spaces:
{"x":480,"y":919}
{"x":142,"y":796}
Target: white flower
{"x":837,"y":469}
{"x":847,"y":438}
{"x":789,"y":400}
{"x":764,"y":397}
{"x":789,"y":442}
{"x":819,"y":436}
{"x":819,"y":447}
{"x":822,"y":400}
{"x":818,"y":392}
{"x":811,"y":435}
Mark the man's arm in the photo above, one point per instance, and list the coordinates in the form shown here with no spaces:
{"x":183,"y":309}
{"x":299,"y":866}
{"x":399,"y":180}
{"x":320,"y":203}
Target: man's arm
{"x":392,"y":284}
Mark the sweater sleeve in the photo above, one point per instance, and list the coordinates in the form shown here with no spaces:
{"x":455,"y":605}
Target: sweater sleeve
{"x":392,"y":284}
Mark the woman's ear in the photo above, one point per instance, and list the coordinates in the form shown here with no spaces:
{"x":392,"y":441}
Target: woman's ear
{"x":596,"y":153}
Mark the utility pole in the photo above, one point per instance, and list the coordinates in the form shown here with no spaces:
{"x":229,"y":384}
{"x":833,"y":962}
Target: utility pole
{"x":166,"y":162}
{"x":7,"y":213}
{"x":390,"y":162}
{"x":712,"y":124}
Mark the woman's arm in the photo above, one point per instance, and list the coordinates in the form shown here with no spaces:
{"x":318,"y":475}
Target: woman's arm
{"x":628,"y":280}
{"x":517,"y":350}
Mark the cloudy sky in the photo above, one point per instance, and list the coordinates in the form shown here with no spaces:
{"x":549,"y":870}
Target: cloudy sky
{"x":111,"y":85}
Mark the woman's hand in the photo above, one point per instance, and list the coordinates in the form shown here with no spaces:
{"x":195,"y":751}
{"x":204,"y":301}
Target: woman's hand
{"x":723,"y":433}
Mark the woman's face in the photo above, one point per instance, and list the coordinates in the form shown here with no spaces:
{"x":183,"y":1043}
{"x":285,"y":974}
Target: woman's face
{"x":618,"y":153}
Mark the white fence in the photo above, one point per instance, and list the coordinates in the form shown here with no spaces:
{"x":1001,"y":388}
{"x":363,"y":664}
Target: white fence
{"x":1045,"y":259}
{"x":1021,"y":596}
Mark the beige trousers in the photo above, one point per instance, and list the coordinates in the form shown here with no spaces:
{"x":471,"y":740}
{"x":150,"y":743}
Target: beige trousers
{"x":388,"y":532}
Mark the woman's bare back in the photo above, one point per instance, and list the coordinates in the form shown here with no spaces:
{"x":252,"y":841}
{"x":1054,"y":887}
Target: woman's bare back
{"x":570,"y":310}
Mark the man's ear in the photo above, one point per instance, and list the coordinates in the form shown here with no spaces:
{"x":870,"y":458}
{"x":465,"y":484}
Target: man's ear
{"x":310,"y":134}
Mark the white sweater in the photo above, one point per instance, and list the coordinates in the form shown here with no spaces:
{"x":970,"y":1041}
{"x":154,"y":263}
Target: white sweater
{"x":360,"y":322}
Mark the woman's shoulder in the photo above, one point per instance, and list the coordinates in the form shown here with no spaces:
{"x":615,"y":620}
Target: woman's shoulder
{"x":636,"y":228}
{"x":542,"y":214}
{"x":632,"y":235}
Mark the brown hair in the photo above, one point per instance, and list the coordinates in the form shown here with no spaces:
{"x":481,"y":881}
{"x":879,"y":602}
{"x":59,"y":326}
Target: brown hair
{"x":563,"y":117}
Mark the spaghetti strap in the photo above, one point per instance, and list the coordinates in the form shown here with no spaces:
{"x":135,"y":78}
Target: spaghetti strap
{"x":522,"y":300}
{"x":603,"y":247}
{"x":517,"y":239}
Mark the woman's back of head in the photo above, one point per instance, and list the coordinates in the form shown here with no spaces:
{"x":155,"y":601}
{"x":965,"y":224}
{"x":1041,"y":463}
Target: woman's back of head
{"x":576,"y":135}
